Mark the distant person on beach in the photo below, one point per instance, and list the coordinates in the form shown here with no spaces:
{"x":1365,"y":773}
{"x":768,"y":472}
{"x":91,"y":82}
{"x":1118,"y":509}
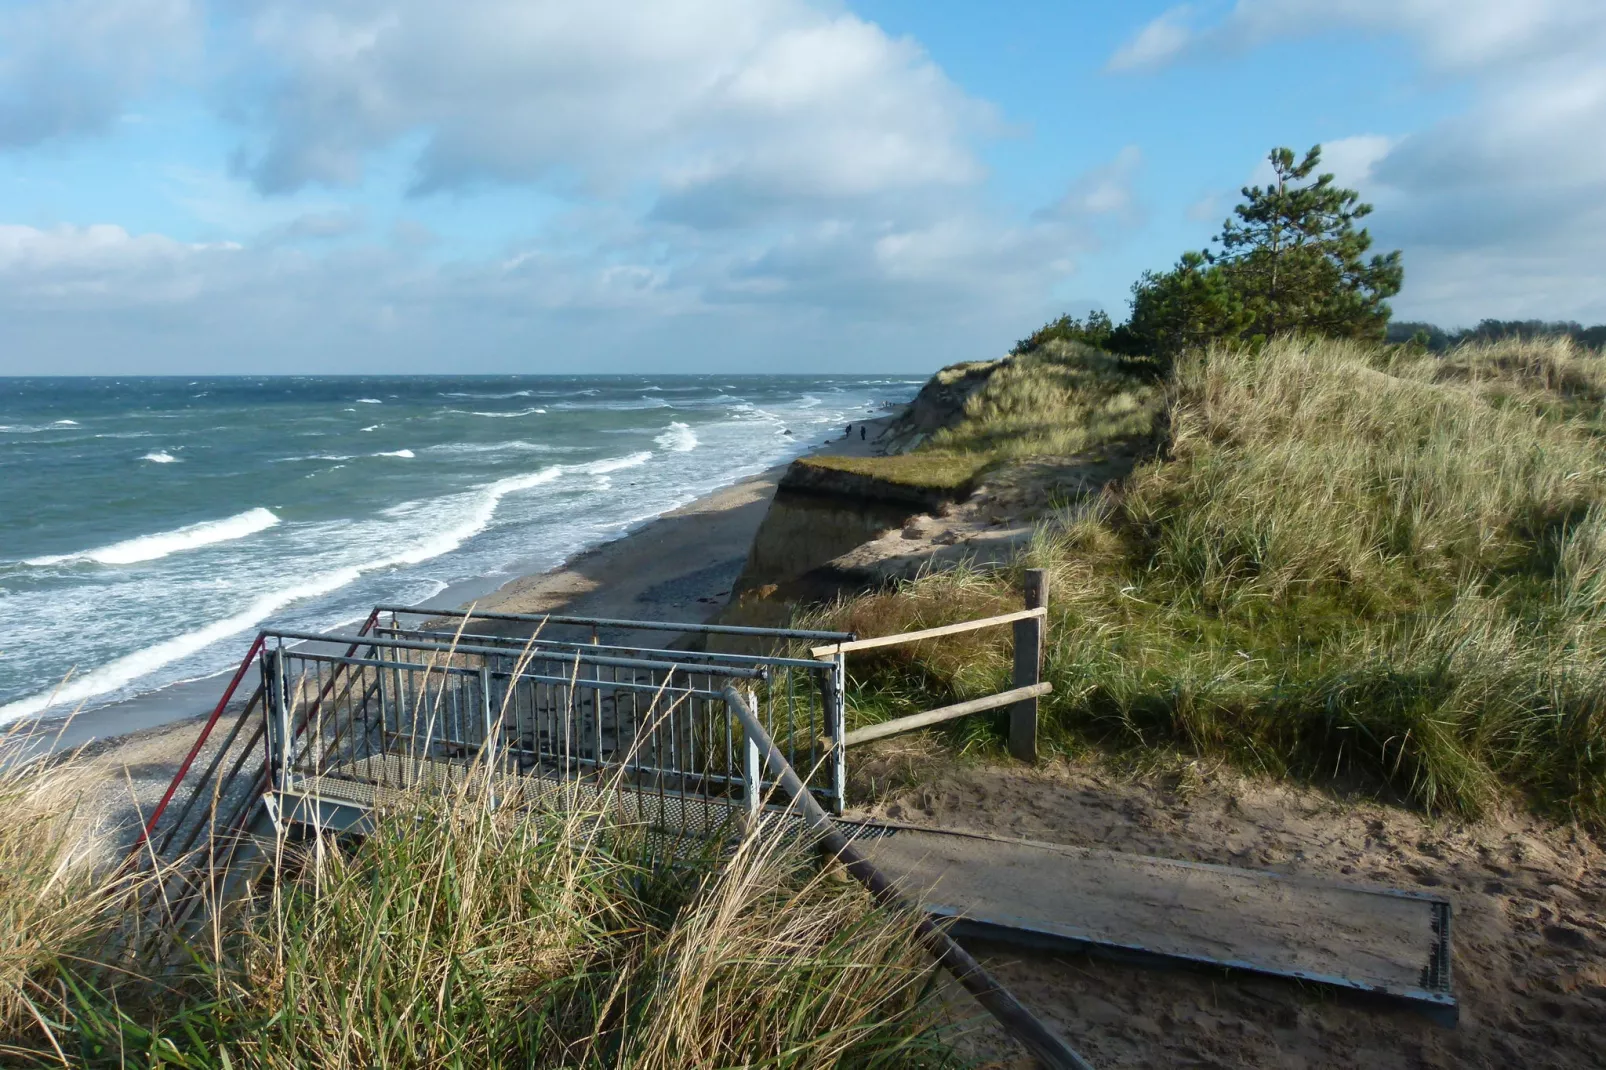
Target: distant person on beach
{"x":849,"y":433}
{"x":861,"y":432}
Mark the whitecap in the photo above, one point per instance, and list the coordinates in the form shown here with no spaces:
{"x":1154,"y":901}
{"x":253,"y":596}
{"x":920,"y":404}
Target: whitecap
{"x":159,"y":457}
{"x":396,"y":453}
{"x":374,"y":427}
{"x":65,"y":423}
{"x":151,"y":547}
{"x":614,"y":464}
{"x":369,"y":401}
{"x":497,"y":415}
{"x":477,"y":511}
{"x":517,"y":444}
{"x":678,"y":437}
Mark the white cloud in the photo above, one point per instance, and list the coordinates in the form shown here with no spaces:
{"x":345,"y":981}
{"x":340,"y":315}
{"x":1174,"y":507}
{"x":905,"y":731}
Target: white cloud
{"x":1106,"y":190}
{"x":70,"y":67}
{"x":1462,"y":36}
{"x":756,"y":99}
{"x":1499,"y":210}
{"x":97,"y":267}
{"x":1158,"y":43}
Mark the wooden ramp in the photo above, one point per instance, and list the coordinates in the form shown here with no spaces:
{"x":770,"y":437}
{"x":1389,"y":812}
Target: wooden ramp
{"x":1374,"y":940}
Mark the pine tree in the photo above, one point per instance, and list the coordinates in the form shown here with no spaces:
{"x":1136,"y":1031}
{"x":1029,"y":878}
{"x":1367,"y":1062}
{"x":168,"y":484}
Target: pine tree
{"x":1296,"y":260}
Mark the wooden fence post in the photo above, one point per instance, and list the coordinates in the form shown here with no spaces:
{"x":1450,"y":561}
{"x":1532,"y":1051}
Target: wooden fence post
{"x":1028,"y":668}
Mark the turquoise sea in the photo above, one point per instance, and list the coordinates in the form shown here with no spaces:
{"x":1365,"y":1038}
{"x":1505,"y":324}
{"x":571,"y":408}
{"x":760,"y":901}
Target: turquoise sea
{"x":149,"y":526}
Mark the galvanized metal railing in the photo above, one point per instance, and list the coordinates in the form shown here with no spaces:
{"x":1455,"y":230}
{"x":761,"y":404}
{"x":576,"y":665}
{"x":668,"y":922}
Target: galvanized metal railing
{"x":561,"y":707}
{"x":405,"y":711}
{"x":798,"y":698}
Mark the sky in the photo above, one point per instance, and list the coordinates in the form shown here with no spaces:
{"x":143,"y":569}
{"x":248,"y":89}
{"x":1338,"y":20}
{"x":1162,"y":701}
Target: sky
{"x":365,"y":186}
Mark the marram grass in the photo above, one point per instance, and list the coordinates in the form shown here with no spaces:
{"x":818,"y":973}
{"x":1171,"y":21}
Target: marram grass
{"x":1351,"y":564}
{"x":459,"y":937}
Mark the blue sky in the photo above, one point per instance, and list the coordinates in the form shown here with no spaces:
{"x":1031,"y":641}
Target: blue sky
{"x":766,"y":185}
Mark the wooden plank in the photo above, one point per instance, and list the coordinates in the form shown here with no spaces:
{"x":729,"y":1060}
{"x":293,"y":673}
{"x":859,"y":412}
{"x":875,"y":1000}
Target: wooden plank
{"x":899,"y":725}
{"x":928,"y":633}
{"x":1377,"y":940}
{"x":1051,"y":1052}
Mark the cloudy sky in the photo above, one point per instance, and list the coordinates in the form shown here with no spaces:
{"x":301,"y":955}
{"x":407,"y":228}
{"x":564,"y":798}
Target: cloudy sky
{"x":767,"y":185}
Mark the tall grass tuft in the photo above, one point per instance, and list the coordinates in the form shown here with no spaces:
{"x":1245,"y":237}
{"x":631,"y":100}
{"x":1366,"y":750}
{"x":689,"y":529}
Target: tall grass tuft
{"x":1354,"y":563}
{"x":59,"y":897}
{"x":455,"y":935}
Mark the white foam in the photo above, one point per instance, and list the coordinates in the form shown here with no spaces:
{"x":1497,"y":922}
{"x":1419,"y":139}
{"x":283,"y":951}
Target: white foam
{"x":516,"y":445}
{"x":369,"y":401}
{"x":488,"y":397}
{"x":151,"y":547}
{"x":374,"y":427}
{"x":65,"y":423}
{"x":396,"y":453}
{"x":159,"y":457}
{"x":477,"y":513}
{"x":614,"y":464}
{"x":678,"y":437}
{"x":499,"y":415}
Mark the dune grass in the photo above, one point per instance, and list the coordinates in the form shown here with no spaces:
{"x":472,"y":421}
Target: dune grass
{"x":1354,"y":564}
{"x":459,"y":936}
{"x":1061,"y":399}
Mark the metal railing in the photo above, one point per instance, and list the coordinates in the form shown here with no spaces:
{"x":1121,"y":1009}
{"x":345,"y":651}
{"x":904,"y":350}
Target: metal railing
{"x":560,"y":707}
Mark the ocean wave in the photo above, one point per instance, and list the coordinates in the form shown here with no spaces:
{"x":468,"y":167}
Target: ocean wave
{"x":65,"y":423}
{"x":487,"y":397}
{"x":808,"y":401}
{"x":373,"y":427}
{"x":369,"y":401}
{"x":516,"y":445}
{"x":613,"y":464}
{"x":498,"y":415}
{"x":408,"y":454}
{"x":152,"y":547}
{"x":678,"y":437}
{"x":479,"y":511}
{"x":159,"y":457}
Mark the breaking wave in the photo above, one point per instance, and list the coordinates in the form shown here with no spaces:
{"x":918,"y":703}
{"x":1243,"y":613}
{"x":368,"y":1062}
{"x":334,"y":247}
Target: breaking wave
{"x":152,"y":547}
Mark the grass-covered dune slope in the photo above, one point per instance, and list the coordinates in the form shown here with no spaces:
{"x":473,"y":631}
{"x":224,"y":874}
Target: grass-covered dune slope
{"x":1355,"y":563}
{"x":1059,"y":401}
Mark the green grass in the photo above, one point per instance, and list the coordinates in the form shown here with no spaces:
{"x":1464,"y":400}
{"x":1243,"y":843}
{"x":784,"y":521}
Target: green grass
{"x":1353,"y":565}
{"x":1061,"y":399}
{"x":458,"y":937}
{"x":926,"y":469}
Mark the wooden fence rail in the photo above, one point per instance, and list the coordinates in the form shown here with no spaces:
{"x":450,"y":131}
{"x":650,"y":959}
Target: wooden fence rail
{"x":1029,"y":625}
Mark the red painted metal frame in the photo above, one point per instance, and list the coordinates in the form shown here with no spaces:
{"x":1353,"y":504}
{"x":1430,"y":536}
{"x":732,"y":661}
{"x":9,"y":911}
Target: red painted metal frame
{"x":211,"y":722}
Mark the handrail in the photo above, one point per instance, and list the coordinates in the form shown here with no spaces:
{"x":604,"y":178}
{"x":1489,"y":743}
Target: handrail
{"x":691,"y":657}
{"x":927,"y":633}
{"x":455,"y":648}
{"x":608,"y":622}
{"x":1050,"y":1050}
{"x":200,"y":741}
{"x":900,"y":725}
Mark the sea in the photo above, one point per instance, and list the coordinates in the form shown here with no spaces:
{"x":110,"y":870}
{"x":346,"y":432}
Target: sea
{"x":149,"y":526}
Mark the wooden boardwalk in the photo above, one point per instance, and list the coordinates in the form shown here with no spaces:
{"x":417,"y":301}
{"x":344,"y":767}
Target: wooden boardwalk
{"x":1374,"y":940}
